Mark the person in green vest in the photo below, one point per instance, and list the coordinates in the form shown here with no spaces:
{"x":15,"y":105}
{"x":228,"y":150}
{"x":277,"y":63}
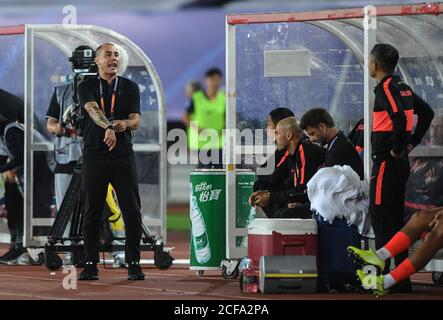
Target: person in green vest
{"x":192,"y":87}
{"x":205,"y":120}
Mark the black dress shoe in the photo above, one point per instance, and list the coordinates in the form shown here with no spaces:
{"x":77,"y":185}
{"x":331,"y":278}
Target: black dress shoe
{"x":8,"y":254}
{"x":13,"y":254}
{"x":135,"y":272}
{"x":90,"y":272}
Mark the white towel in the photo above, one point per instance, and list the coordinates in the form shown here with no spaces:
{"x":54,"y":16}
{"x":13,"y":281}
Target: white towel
{"x":338,"y":192}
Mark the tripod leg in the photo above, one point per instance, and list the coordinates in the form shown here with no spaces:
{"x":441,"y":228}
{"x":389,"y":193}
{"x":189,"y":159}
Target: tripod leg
{"x":66,"y":209}
{"x":77,"y":216}
{"x":147,"y":237}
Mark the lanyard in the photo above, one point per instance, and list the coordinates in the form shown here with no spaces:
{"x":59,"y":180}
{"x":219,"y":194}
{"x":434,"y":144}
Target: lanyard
{"x":297,"y":170}
{"x":102,"y":99}
{"x":332,"y":143}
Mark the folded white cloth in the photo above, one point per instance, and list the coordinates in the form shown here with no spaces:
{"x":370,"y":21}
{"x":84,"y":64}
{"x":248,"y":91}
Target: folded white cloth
{"x":338,"y":192}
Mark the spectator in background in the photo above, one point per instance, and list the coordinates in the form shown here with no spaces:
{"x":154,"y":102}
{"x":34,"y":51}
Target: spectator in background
{"x":207,"y":111}
{"x":192,"y":87}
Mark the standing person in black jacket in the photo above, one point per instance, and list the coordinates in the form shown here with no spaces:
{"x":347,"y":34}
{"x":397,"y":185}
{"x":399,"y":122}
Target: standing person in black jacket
{"x":305,"y":159}
{"x":392,"y":138}
{"x":321,"y":128}
{"x":12,"y":149}
{"x":274,"y":181}
{"x":11,"y":165}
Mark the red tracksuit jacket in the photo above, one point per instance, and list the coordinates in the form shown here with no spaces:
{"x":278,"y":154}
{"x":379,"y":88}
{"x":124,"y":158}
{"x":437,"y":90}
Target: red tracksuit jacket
{"x":394,"y":107}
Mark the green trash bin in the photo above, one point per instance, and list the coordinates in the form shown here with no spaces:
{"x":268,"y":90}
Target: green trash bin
{"x":207,"y":213}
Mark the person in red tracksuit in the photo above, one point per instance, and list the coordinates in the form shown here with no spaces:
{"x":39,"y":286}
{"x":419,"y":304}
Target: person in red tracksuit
{"x":274,"y":181}
{"x":305,"y":158}
{"x":392,"y":139}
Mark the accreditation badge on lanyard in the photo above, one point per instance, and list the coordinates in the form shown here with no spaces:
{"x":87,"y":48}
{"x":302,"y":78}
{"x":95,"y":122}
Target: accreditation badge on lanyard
{"x":102,"y":98}
{"x":332,"y":143}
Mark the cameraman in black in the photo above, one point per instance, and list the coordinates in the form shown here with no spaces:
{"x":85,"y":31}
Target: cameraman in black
{"x":67,"y":143}
{"x":60,"y":122}
{"x":113,"y":111}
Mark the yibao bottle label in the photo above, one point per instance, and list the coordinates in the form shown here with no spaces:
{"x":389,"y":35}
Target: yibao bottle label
{"x":199,"y":234}
{"x":201,"y":241}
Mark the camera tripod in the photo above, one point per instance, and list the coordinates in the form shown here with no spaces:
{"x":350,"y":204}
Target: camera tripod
{"x":71,"y":214}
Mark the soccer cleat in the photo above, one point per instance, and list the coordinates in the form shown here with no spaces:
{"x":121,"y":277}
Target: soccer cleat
{"x":365,"y":257}
{"x":372,"y":283}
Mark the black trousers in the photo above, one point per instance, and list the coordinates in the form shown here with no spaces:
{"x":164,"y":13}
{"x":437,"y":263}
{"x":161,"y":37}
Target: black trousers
{"x":122,"y":174}
{"x":387,"y":197}
{"x":43,"y":191}
{"x":15,"y":209}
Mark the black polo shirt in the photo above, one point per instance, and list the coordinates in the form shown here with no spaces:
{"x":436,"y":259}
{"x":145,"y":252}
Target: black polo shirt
{"x":341,"y":152}
{"x":127,"y":101}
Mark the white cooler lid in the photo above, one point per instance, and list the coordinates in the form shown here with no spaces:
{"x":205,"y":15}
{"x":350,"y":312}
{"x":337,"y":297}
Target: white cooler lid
{"x":283,"y":226}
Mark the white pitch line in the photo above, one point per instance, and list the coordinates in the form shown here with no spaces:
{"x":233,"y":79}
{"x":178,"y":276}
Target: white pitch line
{"x":150,"y":261}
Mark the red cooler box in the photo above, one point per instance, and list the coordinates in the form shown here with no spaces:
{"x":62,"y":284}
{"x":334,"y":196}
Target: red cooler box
{"x":277,"y":237}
